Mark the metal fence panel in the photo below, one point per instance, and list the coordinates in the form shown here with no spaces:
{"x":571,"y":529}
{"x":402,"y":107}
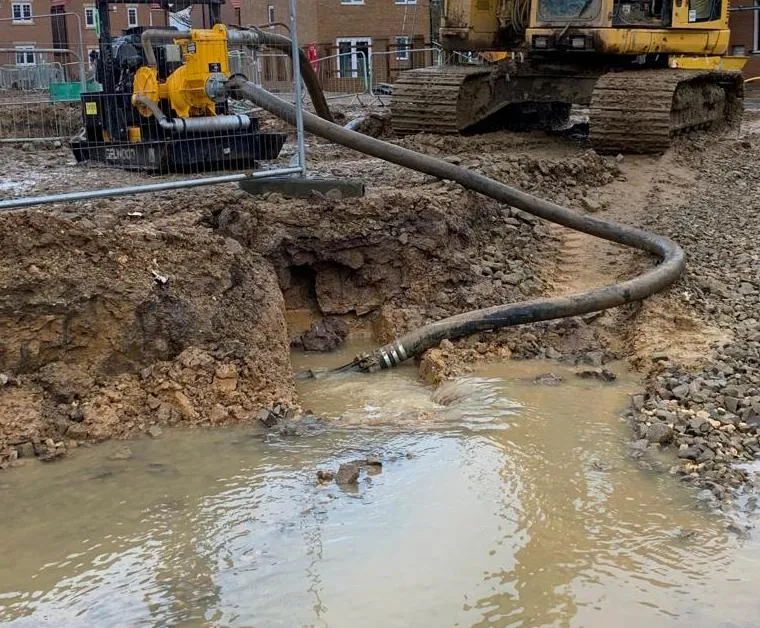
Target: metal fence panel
{"x":342,"y":74}
{"x":52,"y":137}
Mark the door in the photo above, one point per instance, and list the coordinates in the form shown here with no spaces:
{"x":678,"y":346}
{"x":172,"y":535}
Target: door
{"x":354,"y":56}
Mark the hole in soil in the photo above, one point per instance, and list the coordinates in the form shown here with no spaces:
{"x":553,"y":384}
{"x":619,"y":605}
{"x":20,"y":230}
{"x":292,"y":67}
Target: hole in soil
{"x":298,"y":284}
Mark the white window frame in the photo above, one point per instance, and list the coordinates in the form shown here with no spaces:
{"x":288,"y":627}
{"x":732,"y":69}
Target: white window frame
{"x":352,"y":1}
{"x":403,"y":54}
{"x":406,"y":1}
{"x":90,"y":9}
{"x":23,"y":19}
{"x":270,"y":13}
{"x":354,"y":71}
{"x":24,"y":50}
{"x":133,"y":11}
{"x":755,"y":39}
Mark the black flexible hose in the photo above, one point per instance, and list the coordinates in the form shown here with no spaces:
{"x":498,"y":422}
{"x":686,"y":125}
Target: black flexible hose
{"x":416,"y":342}
{"x":309,"y":76}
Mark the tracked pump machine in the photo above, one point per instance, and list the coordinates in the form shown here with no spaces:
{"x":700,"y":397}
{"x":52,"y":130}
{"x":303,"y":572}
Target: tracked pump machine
{"x":646,"y":69}
{"x":164,"y":106}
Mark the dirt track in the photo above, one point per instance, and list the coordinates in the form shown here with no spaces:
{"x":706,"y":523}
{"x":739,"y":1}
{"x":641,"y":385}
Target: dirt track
{"x":171,"y":308}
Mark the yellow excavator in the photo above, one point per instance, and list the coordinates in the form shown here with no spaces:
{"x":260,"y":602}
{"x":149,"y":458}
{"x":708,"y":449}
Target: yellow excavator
{"x":646,"y":69}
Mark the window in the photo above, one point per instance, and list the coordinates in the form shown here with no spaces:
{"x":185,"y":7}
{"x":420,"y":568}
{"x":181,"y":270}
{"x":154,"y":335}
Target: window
{"x":21,"y":12}
{"x":704,"y":11}
{"x":353,"y":56}
{"x":352,"y":1}
{"x":406,"y":1}
{"x":270,"y":14}
{"x":25,"y":55}
{"x":402,"y":48}
{"x":89,"y":17}
{"x":131,"y":17}
{"x":756,"y":41}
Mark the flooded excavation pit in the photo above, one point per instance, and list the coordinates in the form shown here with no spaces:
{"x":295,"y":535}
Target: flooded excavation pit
{"x":501,"y":501}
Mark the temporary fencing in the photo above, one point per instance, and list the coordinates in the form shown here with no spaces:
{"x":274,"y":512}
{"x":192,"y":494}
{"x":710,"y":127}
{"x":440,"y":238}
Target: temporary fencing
{"x":67,"y":136}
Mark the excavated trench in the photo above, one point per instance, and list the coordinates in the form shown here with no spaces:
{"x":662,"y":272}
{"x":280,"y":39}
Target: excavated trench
{"x":119,"y":317}
{"x":105,"y":333}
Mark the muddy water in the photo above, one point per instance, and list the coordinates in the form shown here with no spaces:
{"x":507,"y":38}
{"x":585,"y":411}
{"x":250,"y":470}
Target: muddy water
{"x":500,"y":503}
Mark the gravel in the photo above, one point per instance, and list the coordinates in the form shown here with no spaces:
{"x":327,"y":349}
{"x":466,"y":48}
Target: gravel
{"x":711,"y":414}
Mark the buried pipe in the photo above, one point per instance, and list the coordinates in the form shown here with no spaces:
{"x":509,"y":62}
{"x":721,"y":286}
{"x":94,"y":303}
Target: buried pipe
{"x":416,"y":342}
{"x":229,"y":122}
{"x":356,"y":123}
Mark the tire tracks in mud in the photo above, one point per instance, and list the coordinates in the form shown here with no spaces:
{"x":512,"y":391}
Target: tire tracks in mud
{"x":661,"y":324}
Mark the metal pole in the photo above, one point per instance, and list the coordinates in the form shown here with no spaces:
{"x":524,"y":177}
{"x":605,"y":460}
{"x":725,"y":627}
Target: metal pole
{"x":20,"y":203}
{"x":83,"y":58}
{"x":296,"y":64}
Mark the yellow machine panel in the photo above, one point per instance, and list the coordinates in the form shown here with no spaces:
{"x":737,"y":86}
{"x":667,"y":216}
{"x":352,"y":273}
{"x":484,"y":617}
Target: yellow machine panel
{"x":473,"y":21}
{"x":189,"y":88}
{"x":646,"y":69}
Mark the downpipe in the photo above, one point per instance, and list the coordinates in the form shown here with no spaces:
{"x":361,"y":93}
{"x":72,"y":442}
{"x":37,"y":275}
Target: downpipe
{"x":416,"y":342}
{"x":229,"y":122}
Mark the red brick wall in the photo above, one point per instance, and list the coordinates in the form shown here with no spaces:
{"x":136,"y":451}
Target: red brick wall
{"x":382,"y":20}
{"x":742,"y":25}
{"x":40,"y":31}
{"x":319,"y":21}
{"x":256,"y":12}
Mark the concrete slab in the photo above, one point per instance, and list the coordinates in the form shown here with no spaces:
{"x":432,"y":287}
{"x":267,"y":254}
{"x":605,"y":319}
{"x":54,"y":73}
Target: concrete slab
{"x":304,"y":187}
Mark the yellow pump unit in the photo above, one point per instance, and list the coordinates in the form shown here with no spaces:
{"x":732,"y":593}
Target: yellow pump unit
{"x":194,"y":88}
{"x":165,"y":107}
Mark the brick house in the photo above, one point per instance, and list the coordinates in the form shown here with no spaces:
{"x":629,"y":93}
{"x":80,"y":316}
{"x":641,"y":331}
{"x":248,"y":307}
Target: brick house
{"x":30,"y":31}
{"x":744,"y":35}
{"x":381,"y":33}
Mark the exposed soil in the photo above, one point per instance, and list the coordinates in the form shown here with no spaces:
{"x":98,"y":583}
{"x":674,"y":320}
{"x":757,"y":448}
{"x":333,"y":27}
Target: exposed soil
{"x":180,"y":307}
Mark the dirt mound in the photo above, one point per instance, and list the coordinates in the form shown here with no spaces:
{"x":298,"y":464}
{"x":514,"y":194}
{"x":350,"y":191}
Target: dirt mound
{"x":102,"y":334}
{"x":40,"y":120}
{"x":400,"y":258}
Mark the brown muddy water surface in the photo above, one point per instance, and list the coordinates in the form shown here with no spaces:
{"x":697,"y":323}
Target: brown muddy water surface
{"x":501,"y":502}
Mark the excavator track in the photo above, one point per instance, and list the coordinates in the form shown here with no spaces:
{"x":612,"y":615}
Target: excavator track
{"x":430,"y":99}
{"x":640,"y":111}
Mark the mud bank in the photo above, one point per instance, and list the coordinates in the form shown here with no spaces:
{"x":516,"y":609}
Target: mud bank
{"x":103,"y":334}
{"x":179,"y":308}
{"x":170,"y":309}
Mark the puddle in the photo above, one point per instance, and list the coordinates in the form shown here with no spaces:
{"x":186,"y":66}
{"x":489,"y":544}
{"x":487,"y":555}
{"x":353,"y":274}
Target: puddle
{"x":501,"y":503}
{"x":15,"y":186}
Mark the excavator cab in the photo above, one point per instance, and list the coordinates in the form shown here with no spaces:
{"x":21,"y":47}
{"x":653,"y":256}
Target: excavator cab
{"x":600,"y":27}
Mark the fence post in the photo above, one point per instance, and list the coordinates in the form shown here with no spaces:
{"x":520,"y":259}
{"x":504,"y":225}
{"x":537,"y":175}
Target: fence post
{"x":295,"y":62}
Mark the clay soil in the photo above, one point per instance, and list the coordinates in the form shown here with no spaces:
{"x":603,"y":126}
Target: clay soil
{"x":178,"y":308}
